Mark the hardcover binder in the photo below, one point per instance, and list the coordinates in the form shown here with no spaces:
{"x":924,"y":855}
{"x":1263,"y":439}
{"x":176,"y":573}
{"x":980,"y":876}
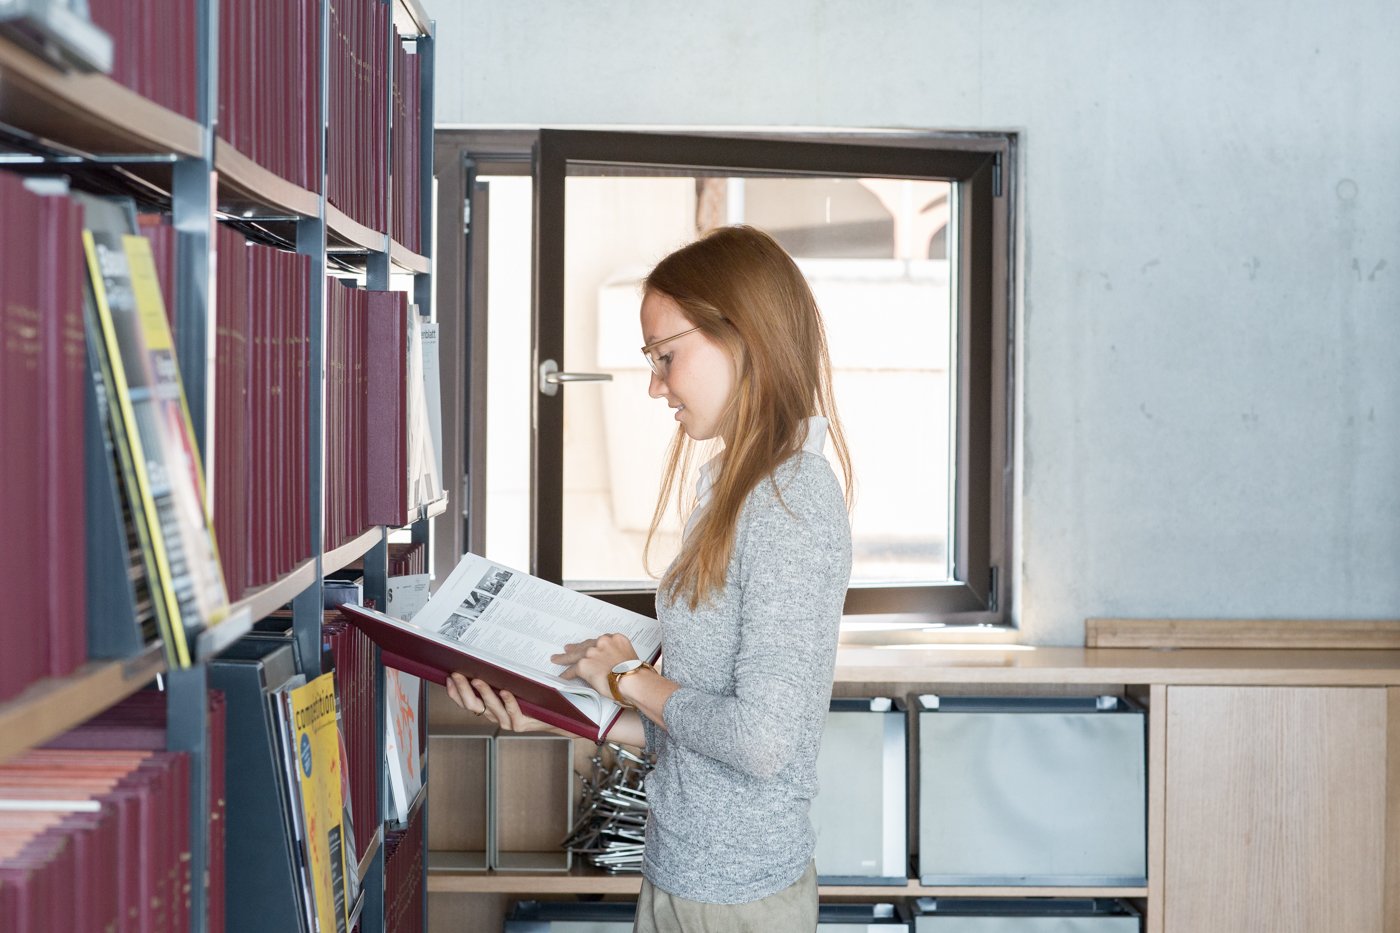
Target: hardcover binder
{"x":261,"y":884}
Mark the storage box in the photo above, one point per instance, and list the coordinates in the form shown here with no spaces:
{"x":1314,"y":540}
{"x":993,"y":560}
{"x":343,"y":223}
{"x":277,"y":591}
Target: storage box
{"x":459,"y":799}
{"x":860,"y":811}
{"x":1032,"y":791}
{"x":1029,"y":915}
{"x":532,"y":792}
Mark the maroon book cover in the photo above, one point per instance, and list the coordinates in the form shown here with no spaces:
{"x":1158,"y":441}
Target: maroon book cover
{"x":281,"y":386}
{"x":334,"y":422}
{"x":230,"y":447}
{"x":240,"y":449}
{"x":26,"y":436}
{"x":222,"y":379}
{"x":65,"y":362}
{"x":263,"y":310}
{"x":299,"y":310}
{"x":386,"y":416}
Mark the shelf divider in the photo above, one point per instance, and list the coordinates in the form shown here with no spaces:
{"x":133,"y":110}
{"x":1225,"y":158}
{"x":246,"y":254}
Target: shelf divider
{"x":408,"y":260}
{"x":253,"y":184}
{"x":353,"y":233}
{"x":351,"y":551}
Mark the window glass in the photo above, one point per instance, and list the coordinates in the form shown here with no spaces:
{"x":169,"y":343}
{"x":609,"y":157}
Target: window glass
{"x":875,"y":253}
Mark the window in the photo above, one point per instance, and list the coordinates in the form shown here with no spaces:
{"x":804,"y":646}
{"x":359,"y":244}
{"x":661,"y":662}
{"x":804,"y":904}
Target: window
{"x":905,"y":242}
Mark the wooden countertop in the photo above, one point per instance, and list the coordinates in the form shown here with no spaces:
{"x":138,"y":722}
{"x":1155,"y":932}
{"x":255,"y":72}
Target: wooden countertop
{"x":1017,"y":664}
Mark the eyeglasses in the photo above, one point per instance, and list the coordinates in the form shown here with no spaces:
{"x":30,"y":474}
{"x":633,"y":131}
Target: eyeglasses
{"x":661,"y":365}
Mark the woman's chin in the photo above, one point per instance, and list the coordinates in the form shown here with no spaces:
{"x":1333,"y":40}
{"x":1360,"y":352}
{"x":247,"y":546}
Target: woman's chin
{"x":696,"y":434}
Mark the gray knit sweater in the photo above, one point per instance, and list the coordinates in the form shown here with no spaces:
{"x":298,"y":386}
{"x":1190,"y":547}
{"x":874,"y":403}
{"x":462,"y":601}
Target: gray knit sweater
{"x":737,"y":770}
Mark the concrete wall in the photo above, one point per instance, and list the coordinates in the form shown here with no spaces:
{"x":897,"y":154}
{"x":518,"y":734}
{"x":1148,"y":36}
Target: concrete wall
{"x":1210,"y":214}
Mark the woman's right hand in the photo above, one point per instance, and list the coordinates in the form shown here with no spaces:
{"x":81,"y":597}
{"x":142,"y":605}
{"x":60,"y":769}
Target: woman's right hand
{"x":502,"y":709}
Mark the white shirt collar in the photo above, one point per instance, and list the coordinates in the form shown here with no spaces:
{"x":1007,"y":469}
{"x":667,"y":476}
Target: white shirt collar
{"x":815,"y":442}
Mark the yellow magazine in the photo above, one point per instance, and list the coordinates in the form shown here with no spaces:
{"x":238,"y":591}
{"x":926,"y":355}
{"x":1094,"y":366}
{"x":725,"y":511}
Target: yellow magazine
{"x":156,"y":439}
{"x":316,"y":739}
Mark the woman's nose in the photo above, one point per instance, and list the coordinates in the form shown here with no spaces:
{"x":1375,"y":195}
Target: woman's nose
{"x":657,"y":387}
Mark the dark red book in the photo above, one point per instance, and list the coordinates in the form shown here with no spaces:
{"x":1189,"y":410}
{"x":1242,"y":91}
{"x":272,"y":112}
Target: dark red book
{"x":65,"y":365}
{"x":26,"y":440}
{"x":386,"y":413}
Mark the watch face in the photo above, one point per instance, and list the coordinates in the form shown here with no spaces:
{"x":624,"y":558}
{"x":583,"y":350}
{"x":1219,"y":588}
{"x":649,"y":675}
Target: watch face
{"x":625,"y":666}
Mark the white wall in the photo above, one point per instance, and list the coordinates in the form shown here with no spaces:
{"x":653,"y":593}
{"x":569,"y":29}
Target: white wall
{"x":1211,"y":258}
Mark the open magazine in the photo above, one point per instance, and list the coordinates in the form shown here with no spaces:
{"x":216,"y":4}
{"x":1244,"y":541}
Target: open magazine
{"x":502,"y":625}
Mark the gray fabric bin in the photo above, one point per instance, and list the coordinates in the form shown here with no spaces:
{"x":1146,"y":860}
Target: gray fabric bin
{"x":860,"y":812}
{"x":1032,"y":791}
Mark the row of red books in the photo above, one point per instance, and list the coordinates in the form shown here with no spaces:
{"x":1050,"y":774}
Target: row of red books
{"x":407,"y":558}
{"x":353,"y":659}
{"x":405,"y":149}
{"x":261,"y":457}
{"x":269,"y":93}
{"x":43,"y":373}
{"x":94,"y":827}
{"x":358,"y":146}
{"x":154,"y":49}
{"x":261,"y":398}
{"x":269,"y":85}
{"x":403,"y":877}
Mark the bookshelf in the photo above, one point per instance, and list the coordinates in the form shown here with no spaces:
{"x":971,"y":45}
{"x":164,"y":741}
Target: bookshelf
{"x":245,"y":186}
{"x":112,"y":139}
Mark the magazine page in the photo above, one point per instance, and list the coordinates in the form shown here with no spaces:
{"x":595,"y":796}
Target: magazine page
{"x":432,"y":388}
{"x":286,"y":751}
{"x":407,"y":595}
{"x":401,"y":751}
{"x":159,"y":457}
{"x":452,"y":636}
{"x":508,"y":614}
{"x":315,"y":741}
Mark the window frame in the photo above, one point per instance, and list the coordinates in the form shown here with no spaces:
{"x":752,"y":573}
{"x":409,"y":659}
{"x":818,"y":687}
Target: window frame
{"x":981,"y":168}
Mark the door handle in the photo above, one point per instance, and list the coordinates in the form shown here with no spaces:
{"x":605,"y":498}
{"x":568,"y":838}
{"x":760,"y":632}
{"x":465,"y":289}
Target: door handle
{"x":551,"y":378}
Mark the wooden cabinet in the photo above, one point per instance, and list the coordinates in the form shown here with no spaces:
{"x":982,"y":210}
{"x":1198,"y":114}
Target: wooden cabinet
{"x":1276,"y":809}
{"x":1273,"y":784}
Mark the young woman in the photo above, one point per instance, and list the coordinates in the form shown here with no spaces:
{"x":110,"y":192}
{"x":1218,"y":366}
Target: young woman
{"x":749,"y":608}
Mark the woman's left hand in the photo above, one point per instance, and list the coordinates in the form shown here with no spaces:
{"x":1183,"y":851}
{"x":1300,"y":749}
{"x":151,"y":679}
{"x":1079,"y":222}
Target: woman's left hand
{"x":591,"y":661}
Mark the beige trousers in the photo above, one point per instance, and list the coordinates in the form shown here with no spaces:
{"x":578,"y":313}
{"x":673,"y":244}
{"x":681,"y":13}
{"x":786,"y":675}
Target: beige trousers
{"x":791,"y":910}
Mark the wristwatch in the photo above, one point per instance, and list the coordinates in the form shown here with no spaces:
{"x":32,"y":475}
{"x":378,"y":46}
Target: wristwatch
{"x":624,"y":668}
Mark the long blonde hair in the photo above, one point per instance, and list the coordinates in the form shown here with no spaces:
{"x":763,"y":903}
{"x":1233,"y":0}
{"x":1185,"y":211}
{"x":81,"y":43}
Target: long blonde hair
{"x":746,"y":294}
